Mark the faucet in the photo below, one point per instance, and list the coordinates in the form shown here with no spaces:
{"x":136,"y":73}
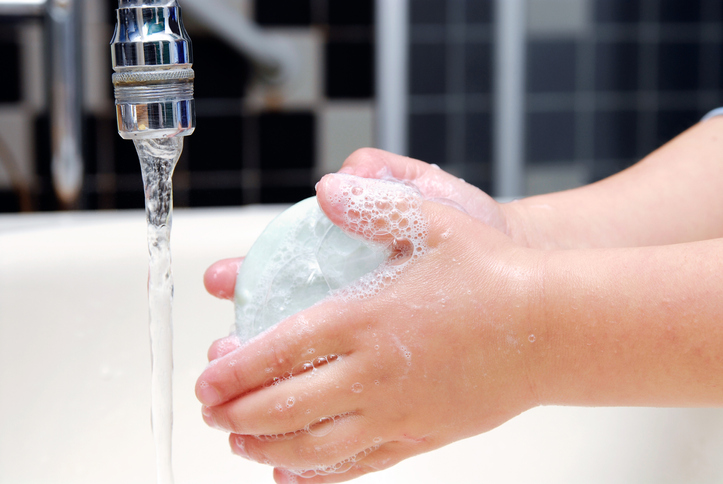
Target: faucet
{"x":153,"y":80}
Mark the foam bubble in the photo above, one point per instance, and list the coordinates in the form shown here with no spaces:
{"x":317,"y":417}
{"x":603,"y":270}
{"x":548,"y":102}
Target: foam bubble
{"x":321,"y":426}
{"x":338,"y":468}
{"x":388,"y":213}
{"x":357,"y":388}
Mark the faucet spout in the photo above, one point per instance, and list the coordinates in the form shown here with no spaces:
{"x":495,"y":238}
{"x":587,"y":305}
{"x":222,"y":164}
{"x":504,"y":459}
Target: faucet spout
{"x":152,"y":59}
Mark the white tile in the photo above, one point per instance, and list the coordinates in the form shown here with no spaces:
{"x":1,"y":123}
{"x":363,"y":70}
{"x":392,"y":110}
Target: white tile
{"x":16,"y":133}
{"x":343,"y":128}
{"x":32,"y":66}
{"x":554,"y":177}
{"x":97,"y":82}
{"x":303,"y":89}
{"x":558,"y":17}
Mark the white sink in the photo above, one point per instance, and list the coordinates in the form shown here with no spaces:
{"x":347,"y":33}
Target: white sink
{"x":75,"y":375}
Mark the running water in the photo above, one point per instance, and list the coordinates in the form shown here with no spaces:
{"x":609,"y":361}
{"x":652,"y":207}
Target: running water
{"x":158,"y":158}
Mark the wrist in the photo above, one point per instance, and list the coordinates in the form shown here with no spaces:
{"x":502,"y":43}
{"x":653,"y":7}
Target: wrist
{"x":527,"y":223}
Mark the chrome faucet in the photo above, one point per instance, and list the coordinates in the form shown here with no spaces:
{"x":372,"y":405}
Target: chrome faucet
{"x":152,"y":59}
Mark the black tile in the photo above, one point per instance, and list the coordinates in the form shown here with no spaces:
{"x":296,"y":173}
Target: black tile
{"x":478,"y":11}
{"x":427,"y":69}
{"x":90,"y":145}
{"x":616,"y":134}
{"x":130,"y":199}
{"x":286,"y":140}
{"x":427,"y":138}
{"x":478,"y":68}
{"x":478,"y":137}
{"x":550,"y":136}
{"x":278,"y":194}
{"x":551,"y":66}
{"x":617,"y":11}
{"x":283,"y":12}
{"x":125,"y":157}
{"x":10,"y":78}
{"x":42,"y":146}
{"x":349,"y":70}
{"x":221,"y":72}
{"x":680,"y":11}
{"x":217,"y":197}
{"x":428,"y":11}
{"x":216,"y":144}
{"x":616,"y":66}
{"x":672,"y":123}
{"x":9,"y":202}
{"x":678,"y":66}
{"x":479,"y":175}
{"x":356,"y":12}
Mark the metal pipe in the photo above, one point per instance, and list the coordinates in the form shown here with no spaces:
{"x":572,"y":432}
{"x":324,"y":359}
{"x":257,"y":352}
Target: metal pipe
{"x":392,"y":27}
{"x":509,"y":99}
{"x":63,"y":18}
{"x":273,"y":56}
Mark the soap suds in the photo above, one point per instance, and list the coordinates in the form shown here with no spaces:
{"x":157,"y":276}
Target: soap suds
{"x":387,"y":213}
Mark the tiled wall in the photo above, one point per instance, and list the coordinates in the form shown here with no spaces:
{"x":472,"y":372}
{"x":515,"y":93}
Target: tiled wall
{"x":607,"y":82}
{"x":253,"y":144}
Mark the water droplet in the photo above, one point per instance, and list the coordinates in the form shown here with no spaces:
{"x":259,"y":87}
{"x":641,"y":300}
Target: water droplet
{"x":357,"y":387}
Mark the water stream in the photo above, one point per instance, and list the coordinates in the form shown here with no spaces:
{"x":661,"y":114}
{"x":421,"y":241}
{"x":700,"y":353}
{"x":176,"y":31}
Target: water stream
{"x":158,"y":159}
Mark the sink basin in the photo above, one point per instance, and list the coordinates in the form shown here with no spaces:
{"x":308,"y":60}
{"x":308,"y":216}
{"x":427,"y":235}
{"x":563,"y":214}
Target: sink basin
{"x":75,"y":374}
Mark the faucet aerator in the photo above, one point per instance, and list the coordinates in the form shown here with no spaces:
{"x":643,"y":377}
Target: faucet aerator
{"x":152,"y":59}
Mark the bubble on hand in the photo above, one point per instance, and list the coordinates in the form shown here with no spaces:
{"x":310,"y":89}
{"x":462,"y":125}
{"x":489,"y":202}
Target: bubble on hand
{"x":321,"y":426}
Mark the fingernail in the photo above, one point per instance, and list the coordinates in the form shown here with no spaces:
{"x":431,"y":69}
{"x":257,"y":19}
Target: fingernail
{"x":208,"y":418}
{"x":208,"y":395}
{"x":206,"y":411}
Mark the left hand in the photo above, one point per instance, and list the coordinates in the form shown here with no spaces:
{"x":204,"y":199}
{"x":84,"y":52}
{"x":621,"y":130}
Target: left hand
{"x":439,"y":355}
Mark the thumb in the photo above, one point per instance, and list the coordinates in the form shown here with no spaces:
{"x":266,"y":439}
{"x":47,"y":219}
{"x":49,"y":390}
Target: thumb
{"x":379,"y":211}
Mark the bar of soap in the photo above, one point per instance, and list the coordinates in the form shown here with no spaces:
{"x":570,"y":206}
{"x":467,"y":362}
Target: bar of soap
{"x":298,"y":260}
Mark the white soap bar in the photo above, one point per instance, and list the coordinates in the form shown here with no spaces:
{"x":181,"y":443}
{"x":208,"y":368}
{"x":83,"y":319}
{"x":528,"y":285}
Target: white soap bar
{"x":299,"y":259}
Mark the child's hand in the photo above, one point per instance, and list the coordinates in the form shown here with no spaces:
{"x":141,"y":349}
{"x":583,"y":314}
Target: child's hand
{"x":436,"y":184}
{"x":443,"y":353}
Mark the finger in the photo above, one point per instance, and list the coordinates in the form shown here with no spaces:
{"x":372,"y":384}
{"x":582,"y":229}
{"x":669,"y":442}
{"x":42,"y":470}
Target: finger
{"x":326,"y":329}
{"x":344,"y":444}
{"x":220,"y":278}
{"x":388,"y":455}
{"x":223,"y":346}
{"x":377,"y":210}
{"x":431,"y":181}
{"x":300,"y":400}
